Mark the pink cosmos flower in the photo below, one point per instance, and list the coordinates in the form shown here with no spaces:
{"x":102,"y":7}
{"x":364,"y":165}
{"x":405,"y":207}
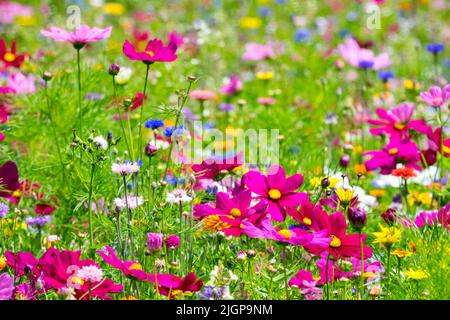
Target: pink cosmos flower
{"x":132,"y":269}
{"x":362,"y":58}
{"x":266,"y":101}
{"x":373,"y":268}
{"x":305,"y":282}
{"x":396,"y":152}
{"x":176,"y":38}
{"x":278,"y":190}
{"x":155,"y":51}
{"x":233,"y":210}
{"x":6,"y":286}
{"x":172,"y":286}
{"x":82,"y":35}
{"x":64,"y":269}
{"x":436,"y":96}
{"x":397,"y":122}
{"x":333,"y":273}
{"x":214,"y":168}
{"x":23,"y":264}
{"x":305,"y":214}
{"x":256,"y":52}
{"x":429,"y":218}
{"x":202,"y":95}
{"x":294,"y":236}
{"x":20,"y":83}
{"x":10,"y":10}
{"x":434,"y":142}
{"x":341,"y":244}
{"x":232,"y":86}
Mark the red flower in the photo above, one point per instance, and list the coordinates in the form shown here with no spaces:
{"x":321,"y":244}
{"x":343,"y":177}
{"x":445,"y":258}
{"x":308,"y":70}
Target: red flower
{"x":171,"y":286}
{"x":10,"y":58}
{"x":44,"y":209}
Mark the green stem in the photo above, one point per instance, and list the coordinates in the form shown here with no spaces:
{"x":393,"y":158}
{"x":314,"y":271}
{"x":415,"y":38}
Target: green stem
{"x":80,"y":113}
{"x":361,"y":245}
{"x":119,"y":110}
{"x":142,"y":112}
{"x":91,"y":233}
{"x":388,"y":271}
{"x":130,"y":217}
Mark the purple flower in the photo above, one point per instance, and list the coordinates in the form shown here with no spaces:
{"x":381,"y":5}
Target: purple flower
{"x":154,"y":241}
{"x":4,"y":210}
{"x":436,"y":96}
{"x":6,"y":286}
{"x":172,"y":241}
{"x":226,"y":107}
{"x":38,"y":220}
{"x":233,"y":85}
{"x":357,"y":218}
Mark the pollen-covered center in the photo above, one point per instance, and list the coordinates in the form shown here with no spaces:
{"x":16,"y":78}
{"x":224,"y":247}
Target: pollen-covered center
{"x":135,"y":266}
{"x":399,"y":126}
{"x":150,"y":53}
{"x":9,"y":57}
{"x":235,"y":212}
{"x":335,"y":242}
{"x":285,"y":233}
{"x":307,"y":221}
{"x":393,"y":151}
{"x":274,"y":194}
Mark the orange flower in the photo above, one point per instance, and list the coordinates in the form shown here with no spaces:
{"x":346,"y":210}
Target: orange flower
{"x":360,"y":169}
{"x":404,"y":173}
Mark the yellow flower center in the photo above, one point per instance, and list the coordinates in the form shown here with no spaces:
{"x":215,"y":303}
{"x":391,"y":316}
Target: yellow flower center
{"x":437,"y":99}
{"x":399,"y":126}
{"x":135,"y":266}
{"x":335,"y":242}
{"x":285,"y":233}
{"x":307,"y":221}
{"x":77,"y":280}
{"x":17,"y":193}
{"x":9,"y":57}
{"x":446,"y":149}
{"x":150,"y":53}
{"x":213,"y":222}
{"x":274,"y":194}
{"x":393,"y":151}
{"x":235,"y":212}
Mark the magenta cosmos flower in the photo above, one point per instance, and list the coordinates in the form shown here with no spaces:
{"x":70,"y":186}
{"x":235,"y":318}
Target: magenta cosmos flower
{"x":173,"y":286}
{"x":294,"y":236}
{"x":132,"y":269}
{"x":397,"y":122}
{"x":278,"y":190}
{"x":232,"y":86}
{"x":396,"y":152}
{"x":216,"y":168}
{"x":305,"y":282}
{"x":82,"y":35}
{"x":341,"y":244}
{"x":436,"y":96}
{"x":362,"y":58}
{"x":6,"y":286}
{"x":155,"y":51}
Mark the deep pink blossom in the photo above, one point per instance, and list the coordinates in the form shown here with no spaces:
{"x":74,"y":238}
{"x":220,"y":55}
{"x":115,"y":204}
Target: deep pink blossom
{"x":397,"y":122}
{"x":276,"y":189}
{"x":155,"y":51}
{"x":232,"y":86}
{"x":215,"y":168}
{"x":305,"y":282}
{"x":172,"y":286}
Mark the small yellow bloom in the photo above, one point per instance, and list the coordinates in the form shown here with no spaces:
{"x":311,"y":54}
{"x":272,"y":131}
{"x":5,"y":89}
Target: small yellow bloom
{"x":402,"y":253}
{"x":264,"y":75}
{"x":334,"y":182}
{"x":129,"y":298}
{"x":425,"y":198}
{"x":377,"y":193}
{"x":26,"y":21}
{"x":415,"y":274}
{"x":387,"y":236}
{"x":315,"y":182}
{"x":411,"y":85}
{"x":250,"y":22}
{"x":360,"y":169}
{"x":113,"y":8}
{"x":357,"y":149}
{"x":345,"y":195}
{"x":2,"y":263}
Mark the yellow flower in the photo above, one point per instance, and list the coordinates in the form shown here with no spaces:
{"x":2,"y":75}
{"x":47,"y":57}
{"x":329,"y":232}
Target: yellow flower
{"x":129,"y":298}
{"x":2,"y":263}
{"x":113,"y":8}
{"x":411,"y":85}
{"x":425,"y":198}
{"x":357,"y":149}
{"x":387,"y":236}
{"x":333,"y":182}
{"x":402,"y":253}
{"x":250,"y":22}
{"x":415,"y":274}
{"x":378,"y":193}
{"x":315,"y":182}
{"x":264,"y":75}
{"x":26,"y":21}
{"x":360,"y":169}
{"x":345,"y":195}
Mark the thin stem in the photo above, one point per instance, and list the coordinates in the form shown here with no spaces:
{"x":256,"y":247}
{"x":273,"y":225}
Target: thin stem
{"x":142,"y":112}
{"x":130,"y":216}
{"x":91,"y":233}
{"x":361,"y":245}
{"x":80,"y":114}
{"x":120,"y":115}
{"x":388,"y":270}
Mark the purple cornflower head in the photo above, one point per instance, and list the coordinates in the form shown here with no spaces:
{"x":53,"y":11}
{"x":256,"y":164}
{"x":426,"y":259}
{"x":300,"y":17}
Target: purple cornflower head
{"x":4,"y":210}
{"x":385,"y":75}
{"x":154,"y":241}
{"x":227,"y":107}
{"x":38,"y":220}
{"x":125,"y":168}
{"x":94,"y":96}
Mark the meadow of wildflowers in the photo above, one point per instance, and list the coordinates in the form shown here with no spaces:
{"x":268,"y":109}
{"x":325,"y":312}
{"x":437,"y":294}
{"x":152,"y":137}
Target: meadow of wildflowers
{"x":224,"y":150}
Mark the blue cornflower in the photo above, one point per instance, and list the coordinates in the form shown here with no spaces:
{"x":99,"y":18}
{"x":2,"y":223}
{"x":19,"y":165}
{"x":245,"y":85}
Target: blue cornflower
{"x":435,"y":48}
{"x":264,"y":11}
{"x":154,"y":124}
{"x":168,"y":131}
{"x":386,"y":75}
{"x":302,"y":35}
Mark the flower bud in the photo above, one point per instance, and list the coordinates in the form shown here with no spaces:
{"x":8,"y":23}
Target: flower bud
{"x":344,"y":161}
{"x":325,"y":183}
{"x":357,"y":218}
{"x":390,"y":216}
{"x":114,"y":69}
{"x":150,"y":150}
{"x":172,"y":241}
{"x":154,"y":241}
{"x":47,"y":76}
